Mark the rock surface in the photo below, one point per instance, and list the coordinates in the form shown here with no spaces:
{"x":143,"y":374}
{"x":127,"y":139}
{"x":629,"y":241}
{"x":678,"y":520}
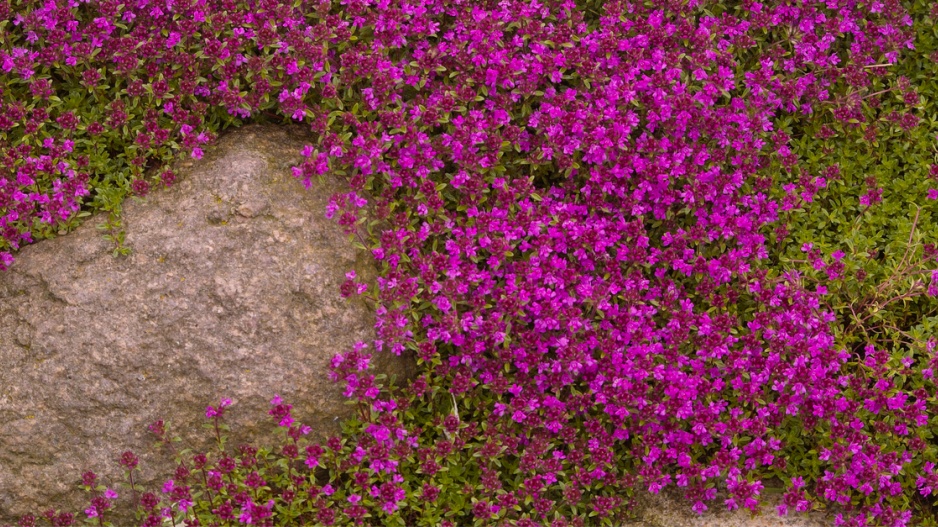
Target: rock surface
{"x":231,"y":290}
{"x":669,"y":510}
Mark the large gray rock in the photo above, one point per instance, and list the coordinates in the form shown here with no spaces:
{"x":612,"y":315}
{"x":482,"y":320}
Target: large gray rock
{"x":232,"y":290}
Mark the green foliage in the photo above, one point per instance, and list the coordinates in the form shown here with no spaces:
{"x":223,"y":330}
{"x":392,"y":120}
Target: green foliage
{"x":881,"y":296}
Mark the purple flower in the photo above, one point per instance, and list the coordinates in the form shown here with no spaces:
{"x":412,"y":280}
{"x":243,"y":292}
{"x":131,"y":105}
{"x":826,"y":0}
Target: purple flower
{"x":89,"y":478}
{"x":380,"y":433}
{"x":173,"y":39}
{"x":129,"y":460}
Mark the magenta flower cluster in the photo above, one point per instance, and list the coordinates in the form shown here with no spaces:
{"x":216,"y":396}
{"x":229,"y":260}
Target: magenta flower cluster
{"x":618,"y":342}
{"x":576,"y":211}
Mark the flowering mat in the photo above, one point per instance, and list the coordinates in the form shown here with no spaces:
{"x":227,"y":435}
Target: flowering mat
{"x":633,"y":246}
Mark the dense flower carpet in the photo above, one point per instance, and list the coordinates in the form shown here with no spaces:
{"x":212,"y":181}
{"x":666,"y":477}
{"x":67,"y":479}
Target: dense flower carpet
{"x":633,"y":245}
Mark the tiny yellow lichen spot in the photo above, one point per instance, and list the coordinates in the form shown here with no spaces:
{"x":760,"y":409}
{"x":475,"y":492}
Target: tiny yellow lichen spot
{"x":30,"y":417}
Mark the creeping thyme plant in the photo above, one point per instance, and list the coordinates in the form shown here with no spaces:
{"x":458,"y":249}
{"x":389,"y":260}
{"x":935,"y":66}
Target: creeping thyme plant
{"x":634,"y":245}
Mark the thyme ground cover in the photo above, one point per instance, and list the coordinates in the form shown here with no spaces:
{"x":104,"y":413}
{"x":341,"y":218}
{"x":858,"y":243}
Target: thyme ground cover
{"x":675,"y":243}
